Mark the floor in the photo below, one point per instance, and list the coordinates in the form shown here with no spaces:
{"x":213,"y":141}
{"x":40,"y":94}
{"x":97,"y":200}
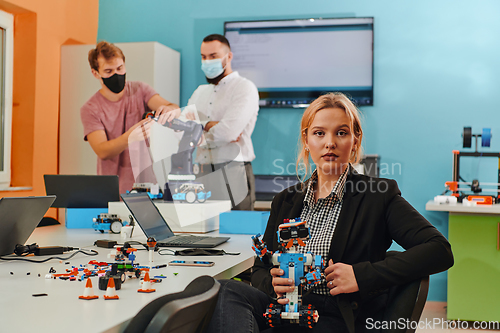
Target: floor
{"x":433,"y":320}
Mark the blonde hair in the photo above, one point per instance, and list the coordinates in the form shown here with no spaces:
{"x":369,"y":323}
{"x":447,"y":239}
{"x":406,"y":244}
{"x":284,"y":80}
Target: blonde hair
{"x":328,"y":101}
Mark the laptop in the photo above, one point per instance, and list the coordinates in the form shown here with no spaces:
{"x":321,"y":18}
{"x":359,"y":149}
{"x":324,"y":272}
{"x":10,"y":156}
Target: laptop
{"x":153,"y":224}
{"x":82,"y":191}
{"x":18,"y":218}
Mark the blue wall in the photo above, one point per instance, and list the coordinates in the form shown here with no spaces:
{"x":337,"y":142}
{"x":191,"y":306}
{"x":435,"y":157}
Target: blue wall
{"x":436,"y":70}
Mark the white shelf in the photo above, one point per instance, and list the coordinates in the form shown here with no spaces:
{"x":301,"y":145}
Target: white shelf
{"x":460,"y":208}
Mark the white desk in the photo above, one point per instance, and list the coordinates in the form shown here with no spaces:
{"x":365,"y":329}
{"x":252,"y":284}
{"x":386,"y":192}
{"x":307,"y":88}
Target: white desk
{"x":460,"y":208}
{"x":262,"y":205}
{"x":62,"y":311}
{"x":474,"y":235}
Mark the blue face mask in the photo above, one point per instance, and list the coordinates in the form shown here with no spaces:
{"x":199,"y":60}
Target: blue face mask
{"x":212,"y":68}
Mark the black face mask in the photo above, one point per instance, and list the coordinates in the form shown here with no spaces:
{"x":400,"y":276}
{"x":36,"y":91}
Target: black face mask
{"x":115,"y":82}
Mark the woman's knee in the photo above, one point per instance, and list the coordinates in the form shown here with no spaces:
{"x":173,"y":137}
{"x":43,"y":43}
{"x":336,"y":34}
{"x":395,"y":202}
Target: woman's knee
{"x":236,"y":288}
{"x":238,"y":291}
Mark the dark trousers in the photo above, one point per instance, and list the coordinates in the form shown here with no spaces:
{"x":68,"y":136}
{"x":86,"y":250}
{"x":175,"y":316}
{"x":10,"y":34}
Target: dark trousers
{"x":240,"y":308}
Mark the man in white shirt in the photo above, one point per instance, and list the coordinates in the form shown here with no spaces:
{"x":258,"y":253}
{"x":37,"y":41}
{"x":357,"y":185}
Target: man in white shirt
{"x":228,"y":108}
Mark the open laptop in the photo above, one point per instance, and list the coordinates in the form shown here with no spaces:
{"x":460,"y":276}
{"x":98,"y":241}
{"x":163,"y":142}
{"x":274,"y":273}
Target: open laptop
{"x":18,"y":218}
{"x":153,"y":224}
{"x":82,"y":191}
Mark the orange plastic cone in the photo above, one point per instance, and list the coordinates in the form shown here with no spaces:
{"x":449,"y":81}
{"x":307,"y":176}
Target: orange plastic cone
{"x":146,"y":285}
{"x":111,"y":291}
{"x":88,"y":292}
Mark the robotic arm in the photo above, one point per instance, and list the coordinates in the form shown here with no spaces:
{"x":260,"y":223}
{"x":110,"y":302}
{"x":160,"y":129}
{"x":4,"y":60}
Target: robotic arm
{"x":261,"y":250}
{"x":180,"y":185}
{"x":182,"y":161}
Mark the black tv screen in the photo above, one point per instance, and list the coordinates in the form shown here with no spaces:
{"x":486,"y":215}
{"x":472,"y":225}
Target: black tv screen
{"x":292,"y":62}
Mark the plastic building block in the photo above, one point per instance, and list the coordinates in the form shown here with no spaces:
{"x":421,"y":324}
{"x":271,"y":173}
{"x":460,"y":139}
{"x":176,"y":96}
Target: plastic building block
{"x":305,"y":269}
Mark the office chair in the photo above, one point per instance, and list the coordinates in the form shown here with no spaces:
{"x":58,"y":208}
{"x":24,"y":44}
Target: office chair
{"x":184,"y":312}
{"x":406,"y":301}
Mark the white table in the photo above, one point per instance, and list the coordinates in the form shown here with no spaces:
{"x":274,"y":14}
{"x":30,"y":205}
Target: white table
{"x":62,"y":311}
{"x":262,"y":205}
{"x":474,"y":235}
{"x":461,"y":208}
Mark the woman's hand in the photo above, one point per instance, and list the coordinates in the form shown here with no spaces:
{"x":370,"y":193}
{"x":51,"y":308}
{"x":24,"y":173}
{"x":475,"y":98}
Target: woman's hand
{"x":281,"y":285}
{"x":341,"y":278}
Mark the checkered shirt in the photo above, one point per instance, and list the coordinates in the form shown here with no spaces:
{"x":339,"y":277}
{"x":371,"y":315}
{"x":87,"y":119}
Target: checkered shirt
{"x":322,"y":218}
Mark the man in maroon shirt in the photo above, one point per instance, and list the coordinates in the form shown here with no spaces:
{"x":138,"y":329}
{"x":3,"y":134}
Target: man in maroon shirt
{"x":110,"y":116}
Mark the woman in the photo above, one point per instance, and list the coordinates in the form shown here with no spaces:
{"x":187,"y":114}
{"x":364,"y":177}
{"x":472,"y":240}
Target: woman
{"x":353,"y":220}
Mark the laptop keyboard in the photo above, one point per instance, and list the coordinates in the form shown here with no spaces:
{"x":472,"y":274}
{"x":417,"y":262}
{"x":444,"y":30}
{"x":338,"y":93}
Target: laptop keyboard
{"x":185,"y":240}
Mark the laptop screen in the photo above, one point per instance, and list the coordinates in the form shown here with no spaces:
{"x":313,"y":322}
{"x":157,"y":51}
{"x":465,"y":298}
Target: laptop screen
{"x":18,"y":218}
{"x":147,"y":215}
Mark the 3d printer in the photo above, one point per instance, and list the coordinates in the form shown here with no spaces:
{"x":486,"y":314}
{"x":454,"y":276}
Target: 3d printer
{"x":459,"y":186}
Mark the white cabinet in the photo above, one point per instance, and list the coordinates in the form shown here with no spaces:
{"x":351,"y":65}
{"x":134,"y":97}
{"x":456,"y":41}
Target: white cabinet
{"x":150,"y":62}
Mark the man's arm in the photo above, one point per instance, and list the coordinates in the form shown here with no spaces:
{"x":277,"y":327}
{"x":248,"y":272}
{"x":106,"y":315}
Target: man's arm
{"x":244,"y":106}
{"x":209,"y":125}
{"x":165,"y":110}
{"x":107,"y":149}
{"x":202,"y":117}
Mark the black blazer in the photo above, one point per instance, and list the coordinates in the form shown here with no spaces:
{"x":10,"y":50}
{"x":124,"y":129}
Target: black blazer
{"x":373,"y":214}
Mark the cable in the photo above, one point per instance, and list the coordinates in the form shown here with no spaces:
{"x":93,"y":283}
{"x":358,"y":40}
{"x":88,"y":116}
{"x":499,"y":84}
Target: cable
{"x":42,"y":251}
{"x":231,"y":253}
{"x":93,"y":253}
{"x":195,"y":252}
{"x":166,"y":254}
{"x":132,"y":223}
{"x":135,"y":242}
{"x":25,"y":249}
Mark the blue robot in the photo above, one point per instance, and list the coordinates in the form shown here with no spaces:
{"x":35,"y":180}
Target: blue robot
{"x":110,"y":222}
{"x":304,"y":269}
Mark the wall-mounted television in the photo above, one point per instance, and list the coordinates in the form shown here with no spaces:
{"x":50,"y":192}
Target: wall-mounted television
{"x":292,"y":62}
